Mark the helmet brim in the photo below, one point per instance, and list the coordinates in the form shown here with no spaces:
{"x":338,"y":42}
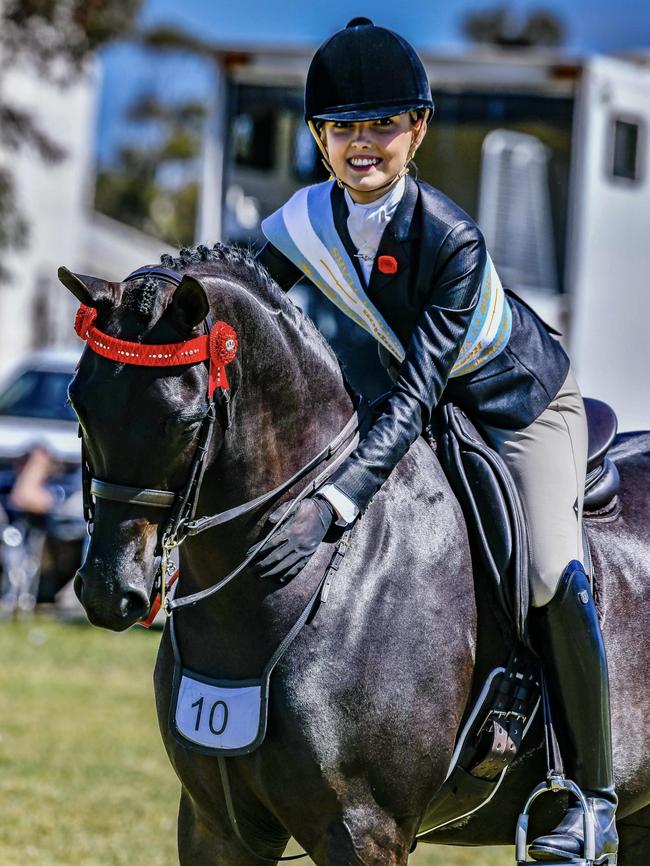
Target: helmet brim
{"x":361,"y":113}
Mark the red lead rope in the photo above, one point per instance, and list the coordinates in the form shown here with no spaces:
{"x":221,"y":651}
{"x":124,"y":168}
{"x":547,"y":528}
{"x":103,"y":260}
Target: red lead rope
{"x":219,"y":347}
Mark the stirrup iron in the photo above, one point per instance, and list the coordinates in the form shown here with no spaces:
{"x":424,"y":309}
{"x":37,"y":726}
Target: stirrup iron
{"x":554,"y":784}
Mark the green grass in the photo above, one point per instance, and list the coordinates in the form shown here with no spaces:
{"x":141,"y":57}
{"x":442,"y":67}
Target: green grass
{"x":84,"y":780}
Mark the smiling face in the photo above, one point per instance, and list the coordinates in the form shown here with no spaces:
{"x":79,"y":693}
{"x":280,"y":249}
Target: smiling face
{"x":367,"y":155}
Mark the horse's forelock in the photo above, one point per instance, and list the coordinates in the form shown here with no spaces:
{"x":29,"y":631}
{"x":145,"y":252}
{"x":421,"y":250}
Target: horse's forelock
{"x":146,"y":298}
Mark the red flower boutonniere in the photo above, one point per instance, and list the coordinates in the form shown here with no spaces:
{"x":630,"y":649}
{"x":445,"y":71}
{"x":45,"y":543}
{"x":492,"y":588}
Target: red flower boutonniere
{"x":387,"y":264}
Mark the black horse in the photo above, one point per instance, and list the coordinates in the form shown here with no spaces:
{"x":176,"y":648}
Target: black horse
{"x":366,"y":704}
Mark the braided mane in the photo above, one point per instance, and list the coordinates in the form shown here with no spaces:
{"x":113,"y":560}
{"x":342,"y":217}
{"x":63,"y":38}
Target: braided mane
{"x":239,"y":264}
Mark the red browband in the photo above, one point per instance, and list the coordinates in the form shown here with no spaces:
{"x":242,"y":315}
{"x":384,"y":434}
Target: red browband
{"x":219,"y":347}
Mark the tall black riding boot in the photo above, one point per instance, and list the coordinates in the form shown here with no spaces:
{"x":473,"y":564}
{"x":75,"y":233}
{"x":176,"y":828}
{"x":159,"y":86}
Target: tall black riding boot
{"x":566,"y":635}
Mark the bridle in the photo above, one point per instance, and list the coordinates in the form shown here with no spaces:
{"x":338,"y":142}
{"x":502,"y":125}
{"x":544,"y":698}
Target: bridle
{"x":217,"y":346}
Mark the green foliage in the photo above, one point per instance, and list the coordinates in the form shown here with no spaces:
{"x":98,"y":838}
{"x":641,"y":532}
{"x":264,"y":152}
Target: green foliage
{"x":168,"y":38}
{"x":127,"y":191}
{"x":53,"y":38}
{"x":154,"y":189}
{"x":56,"y":36}
{"x":506,"y":28}
{"x":13,"y":230}
{"x":84,"y":780}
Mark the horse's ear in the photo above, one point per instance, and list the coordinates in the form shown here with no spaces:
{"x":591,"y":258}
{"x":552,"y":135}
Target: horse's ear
{"x":90,"y":291}
{"x":190,"y":302}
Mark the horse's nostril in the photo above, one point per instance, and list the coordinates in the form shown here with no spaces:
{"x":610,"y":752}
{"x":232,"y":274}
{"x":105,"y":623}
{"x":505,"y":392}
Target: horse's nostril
{"x":134,"y":603}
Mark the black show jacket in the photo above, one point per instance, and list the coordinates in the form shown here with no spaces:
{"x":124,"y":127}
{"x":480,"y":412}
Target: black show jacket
{"x":429,"y":303}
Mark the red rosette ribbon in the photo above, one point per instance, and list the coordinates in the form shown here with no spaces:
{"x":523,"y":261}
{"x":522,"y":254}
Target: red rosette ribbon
{"x":84,"y":319}
{"x":223,"y":345}
{"x":155,"y":607}
{"x":387,"y":264}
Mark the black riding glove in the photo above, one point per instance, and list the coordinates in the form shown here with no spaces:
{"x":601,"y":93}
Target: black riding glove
{"x":287,"y":552}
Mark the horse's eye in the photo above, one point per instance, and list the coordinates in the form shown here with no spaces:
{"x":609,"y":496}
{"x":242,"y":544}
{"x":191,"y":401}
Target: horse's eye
{"x":183,"y":424}
{"x":191,"y":429}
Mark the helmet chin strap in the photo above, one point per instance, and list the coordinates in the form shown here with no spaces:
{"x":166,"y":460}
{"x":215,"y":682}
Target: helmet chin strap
{"x":328,"y":166}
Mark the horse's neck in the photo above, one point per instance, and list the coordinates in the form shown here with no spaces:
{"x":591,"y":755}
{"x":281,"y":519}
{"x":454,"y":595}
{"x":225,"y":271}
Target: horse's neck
{"x":275,"y":431}
{"x":279,"y":423}
{"x":284,"y":418}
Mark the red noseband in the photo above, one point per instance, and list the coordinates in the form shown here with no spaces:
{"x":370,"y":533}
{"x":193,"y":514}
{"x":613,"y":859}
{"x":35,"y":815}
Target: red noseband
{"x":219,"y":347}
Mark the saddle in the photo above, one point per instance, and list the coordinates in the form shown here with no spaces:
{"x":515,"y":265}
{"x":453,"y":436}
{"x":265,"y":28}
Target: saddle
{"x":505,"y":708}
{"x":491,"y":505}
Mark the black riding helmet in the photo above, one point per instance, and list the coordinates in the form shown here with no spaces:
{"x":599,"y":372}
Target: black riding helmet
{"x":364,"y":72}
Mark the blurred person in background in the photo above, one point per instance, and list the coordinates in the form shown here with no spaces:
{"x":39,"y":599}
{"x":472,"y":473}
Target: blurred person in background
{"x":42,"y":529}
{"x":28,"y":502}
{"x":30,"y":492}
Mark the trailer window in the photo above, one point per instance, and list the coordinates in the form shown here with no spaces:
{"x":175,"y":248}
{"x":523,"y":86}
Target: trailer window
{"x":306,"y":158}
{"x":625,"y":162}
{"x":253,"y":138}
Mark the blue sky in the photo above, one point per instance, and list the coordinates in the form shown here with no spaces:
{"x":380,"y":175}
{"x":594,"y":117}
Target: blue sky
{"x":606,"y":26}
{"x":592,"y":24}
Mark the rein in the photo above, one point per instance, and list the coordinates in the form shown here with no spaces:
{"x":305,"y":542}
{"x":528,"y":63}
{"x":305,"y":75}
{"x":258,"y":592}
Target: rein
{"x":218,"y":346}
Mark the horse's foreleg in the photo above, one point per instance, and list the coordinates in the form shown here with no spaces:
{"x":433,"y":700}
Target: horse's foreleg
{"x":363,"y":838}
{"x":205,"y":842}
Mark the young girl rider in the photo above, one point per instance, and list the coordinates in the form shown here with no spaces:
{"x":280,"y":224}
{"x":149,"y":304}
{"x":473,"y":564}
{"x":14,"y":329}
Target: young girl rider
{"x":408,"y":265}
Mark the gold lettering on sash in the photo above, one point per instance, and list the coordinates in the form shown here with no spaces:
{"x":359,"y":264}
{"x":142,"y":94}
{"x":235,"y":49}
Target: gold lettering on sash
{"x":338,"y":258}
{"x":380,"y":335}
{"x":338,"y":283}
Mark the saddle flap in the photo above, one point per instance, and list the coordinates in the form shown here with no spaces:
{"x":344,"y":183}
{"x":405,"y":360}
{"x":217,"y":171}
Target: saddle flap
{"x":492,"y":509}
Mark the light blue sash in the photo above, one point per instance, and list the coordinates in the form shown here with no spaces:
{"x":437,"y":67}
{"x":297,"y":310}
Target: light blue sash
{"x":304,"y":231}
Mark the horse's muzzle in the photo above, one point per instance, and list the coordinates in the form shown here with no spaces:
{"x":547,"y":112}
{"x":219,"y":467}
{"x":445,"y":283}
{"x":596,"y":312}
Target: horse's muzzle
{"x":116,"y":610}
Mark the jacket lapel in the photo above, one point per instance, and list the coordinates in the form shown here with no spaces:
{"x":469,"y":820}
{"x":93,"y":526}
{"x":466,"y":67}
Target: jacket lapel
{"x":395,"y":241}
{"x":340,"y":214}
